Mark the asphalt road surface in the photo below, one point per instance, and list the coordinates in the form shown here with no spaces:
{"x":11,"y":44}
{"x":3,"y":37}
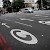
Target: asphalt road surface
{"x":25,"y":31}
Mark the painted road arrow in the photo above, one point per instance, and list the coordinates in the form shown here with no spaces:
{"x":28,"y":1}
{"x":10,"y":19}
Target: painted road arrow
{"x":5,"y":25}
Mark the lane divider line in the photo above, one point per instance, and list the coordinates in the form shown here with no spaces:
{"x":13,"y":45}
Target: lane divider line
{"x":7,"y":20}
{"x":23,"y":24}
{"x":45,"y":16}
{"x":26,"y":19}
{"x":37,"y":15}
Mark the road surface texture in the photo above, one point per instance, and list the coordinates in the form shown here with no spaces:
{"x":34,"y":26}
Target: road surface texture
{"x":25,"y":31}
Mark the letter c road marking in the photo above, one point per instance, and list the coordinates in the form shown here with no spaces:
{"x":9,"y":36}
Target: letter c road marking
{"x":24,"y":34}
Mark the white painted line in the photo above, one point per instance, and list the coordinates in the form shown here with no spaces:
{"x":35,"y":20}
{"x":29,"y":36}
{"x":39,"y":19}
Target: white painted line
{"x":5,"y":25}
{"x":45,"y":16}
{"x":23,"y":24}
{"x":24,"y":34}
{"x":26,"y":19}
{"x":7,"y":19}
{"x":48,"y":24}
{"x":37,"y":15}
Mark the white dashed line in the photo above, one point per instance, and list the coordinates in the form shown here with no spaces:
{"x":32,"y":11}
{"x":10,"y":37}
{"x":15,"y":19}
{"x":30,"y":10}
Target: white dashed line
{"x":45,"y":16}
{"x":7,"y":20}
{"x":37,"y":15}
{"x":23,"y":24}
{"x":26,"y":19}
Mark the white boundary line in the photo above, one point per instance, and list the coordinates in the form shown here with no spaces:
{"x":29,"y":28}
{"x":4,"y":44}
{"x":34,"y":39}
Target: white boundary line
{"x":37,"y":15}
{"x":44,"y":18}
{"x":26,"y":19}
{"x":23,"y":24}
{"x":7,"y":20}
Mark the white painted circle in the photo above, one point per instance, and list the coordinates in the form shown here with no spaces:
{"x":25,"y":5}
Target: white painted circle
{"x":45,"y":22}
{"x":24,"y":34}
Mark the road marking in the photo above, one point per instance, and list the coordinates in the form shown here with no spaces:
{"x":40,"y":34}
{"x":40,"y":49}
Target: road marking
{"x":44,"y":22}
{"x":23,"y":24}
{"x":7,"y":19}
{"x":45,"y":16}
{"x":37,"y":15}
{"x":23,"y":34}
{"x":42,"y":35}
{"x":26,"y":19}
{"x":5,"y":25}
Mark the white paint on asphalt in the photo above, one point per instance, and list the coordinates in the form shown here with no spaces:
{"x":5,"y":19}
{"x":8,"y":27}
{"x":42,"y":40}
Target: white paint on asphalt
{"x":44,"y":22}
{"x":40,"y":19}
{"x":26,"y":19}
{"x":42,"y":35}
{"x":37,"y":15}
{"x":7,"y":19}
{"x":4,"y":24}
{"x":23,"y":34}
{"x":23,"y":24}
{"x":45,"y":16}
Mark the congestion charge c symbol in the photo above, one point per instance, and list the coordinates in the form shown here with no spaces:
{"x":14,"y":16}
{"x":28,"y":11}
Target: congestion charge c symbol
{"x":23,"y":34}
